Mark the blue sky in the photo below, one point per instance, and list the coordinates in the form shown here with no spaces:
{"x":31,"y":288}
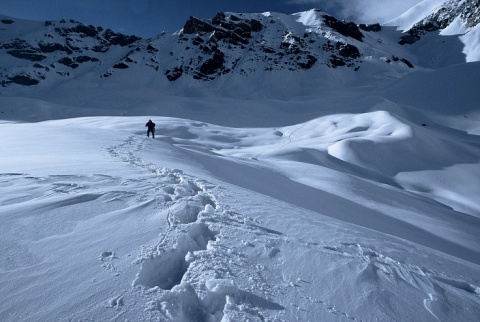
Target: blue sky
{"x":150,"y":17}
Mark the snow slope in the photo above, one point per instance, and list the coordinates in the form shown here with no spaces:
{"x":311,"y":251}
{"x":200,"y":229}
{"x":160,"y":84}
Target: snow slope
{"x":210,"y":223}
{"x":415,"y":14}
{"x":313,"y":195}
{"x":452,"y":17}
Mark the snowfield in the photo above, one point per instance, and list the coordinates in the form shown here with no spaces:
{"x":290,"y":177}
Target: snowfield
{"x":329,"y":194}
{"x":209,"y":223}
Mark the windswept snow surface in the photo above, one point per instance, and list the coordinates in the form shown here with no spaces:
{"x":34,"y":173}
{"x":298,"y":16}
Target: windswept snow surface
{"x":471,"y":40}
{"x":304,"y":222}
{"x":319,"y":195}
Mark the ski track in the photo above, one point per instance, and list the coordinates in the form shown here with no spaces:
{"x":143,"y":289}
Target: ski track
{"x":289,"y":141}
{"x":194,"y":270}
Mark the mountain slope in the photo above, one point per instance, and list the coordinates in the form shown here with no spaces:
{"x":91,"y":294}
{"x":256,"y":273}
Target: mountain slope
{"x":239,"y":44}
{"x":452,"y":17}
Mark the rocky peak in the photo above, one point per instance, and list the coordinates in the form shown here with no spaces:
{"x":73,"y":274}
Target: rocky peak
{"x":468,"y":11}
{"x":345,"y":28}
{"x":223,"y":26}
{"x":54,"y":44}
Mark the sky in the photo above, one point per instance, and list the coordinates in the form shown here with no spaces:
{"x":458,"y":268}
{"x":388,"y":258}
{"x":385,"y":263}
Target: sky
{"x":148,"y":18}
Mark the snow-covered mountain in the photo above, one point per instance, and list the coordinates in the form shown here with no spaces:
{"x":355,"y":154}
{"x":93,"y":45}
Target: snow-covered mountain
{"x":304,"y":168}
{"x":452,"y":17}
{"x":229,"y":43}
{"x":232,"y":55}
{"x":433,"y":15}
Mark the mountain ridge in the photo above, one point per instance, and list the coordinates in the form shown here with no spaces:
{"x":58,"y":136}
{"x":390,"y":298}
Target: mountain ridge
{"x":204,"y":49}
{"x":284,"y":60}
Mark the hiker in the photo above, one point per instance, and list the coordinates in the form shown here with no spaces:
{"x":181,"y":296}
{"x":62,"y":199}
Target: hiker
{"x":150,"y":128}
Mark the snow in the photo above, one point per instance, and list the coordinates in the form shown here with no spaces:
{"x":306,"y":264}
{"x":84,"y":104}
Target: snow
{"x":457,"y":27}
{"x":469,"y":36}
{"x":471,"y":40}
{"x":415,"y":14}
{"x":207,"y":222}
{"x":270,"y":197}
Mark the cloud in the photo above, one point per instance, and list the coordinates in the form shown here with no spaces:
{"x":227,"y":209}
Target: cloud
{"x":361,"y":10}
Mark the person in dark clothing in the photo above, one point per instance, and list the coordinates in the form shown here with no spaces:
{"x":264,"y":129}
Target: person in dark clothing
{"x":150,"y":128}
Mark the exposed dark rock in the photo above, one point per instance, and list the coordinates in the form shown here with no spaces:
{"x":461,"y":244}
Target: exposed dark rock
{"x":103,"y":47}
{"x":195,"y":25}
{"x":336,"y":61}
{"x":311,"y":60}
{"x":26,"y":54}
{"x":406,"y":62}
{"x":106,"y":74}
{"x":268,"y":50}
{"x":89,"y":31}
{"x":409,"y":39}
{"x":40,"y":66}
{"x":328,"y":46}
{"x":197,"y":41}
{"x":471,"y":12}
{"x":256,"y":25}
{"x":67,"y":61}
{"x":71,"y":44}
{"x":83,"y":59}
{"x":80,"y":29}
{"x":234,"y":31}
{"x":347,"y":53}
{"x":173,"y":75}
{"x":75,"y":61}
{"x":120,"y":65}
{"x":219,"y":18}
{"x":213,"y":64}
{"x":373,"y":27}
{"x":24,"y":79}
{"x":23,"y":50}
{"x":348,"y":29}
{"x":119,"y":39}
{"x":5,"y":83}
{"x":7,"y":21}
{"x":51,"y":47}
{"x":151,"y":49}
{"x":347,"y":50}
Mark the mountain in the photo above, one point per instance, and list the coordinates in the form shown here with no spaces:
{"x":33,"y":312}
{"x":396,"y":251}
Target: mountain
{"x":452,"y":17}
{"x":233,"y":55}
{"x":238,"y":44}
{"x":433,"y":15}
